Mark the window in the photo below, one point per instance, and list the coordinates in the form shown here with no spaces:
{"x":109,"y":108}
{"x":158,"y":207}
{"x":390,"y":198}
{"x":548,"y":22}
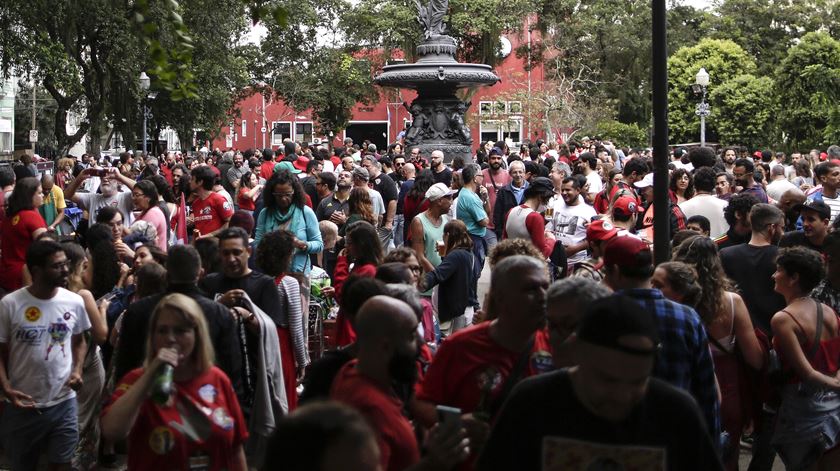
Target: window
{"x":485,"y":108}
{"x":244,"y":128}
{"x":489,"y":131}
{"x":280,"y":131}
{"x":499,"y":107}
{"x":515,"y":107}
{"x":496,"y":130}
{"x":303,"y":132}
{"x":6,"y":135}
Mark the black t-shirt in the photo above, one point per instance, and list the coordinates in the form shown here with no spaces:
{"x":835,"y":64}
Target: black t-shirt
{"x":798,"y":239}
{"x":260,"y":288}
{"x":321,"y":373}
{"x":751,"y":268}
{"x":543,"y":416}
{"x":329,"y":205}
{"x":386,"y":187}
{"x":309,"y":188}
{"x":444,"y":177}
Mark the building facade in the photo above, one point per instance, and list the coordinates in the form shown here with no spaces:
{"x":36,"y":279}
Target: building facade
{"x":500,"y":112}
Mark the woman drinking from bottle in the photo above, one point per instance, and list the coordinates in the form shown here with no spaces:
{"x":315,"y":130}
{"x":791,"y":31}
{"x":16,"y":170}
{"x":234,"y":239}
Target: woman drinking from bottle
{"x":178,"y":411}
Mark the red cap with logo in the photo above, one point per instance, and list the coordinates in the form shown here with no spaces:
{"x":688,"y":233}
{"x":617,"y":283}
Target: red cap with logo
{"x":627,"y":205}
{"x":600,"y":230}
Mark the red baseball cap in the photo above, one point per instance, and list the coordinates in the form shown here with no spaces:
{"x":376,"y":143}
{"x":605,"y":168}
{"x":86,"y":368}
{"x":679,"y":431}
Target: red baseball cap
{"x":301,"y":162}
{"x":626,"y":251}
{"x":600,"y":230}
{"x":627,"y":205}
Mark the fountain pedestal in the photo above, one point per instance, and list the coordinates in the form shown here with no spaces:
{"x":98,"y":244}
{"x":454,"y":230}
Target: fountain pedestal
{"x":437,"y":113}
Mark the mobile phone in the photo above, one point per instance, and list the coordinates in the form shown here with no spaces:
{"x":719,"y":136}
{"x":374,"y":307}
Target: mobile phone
{"x":449,"y":417}
{"x":97,"y":172}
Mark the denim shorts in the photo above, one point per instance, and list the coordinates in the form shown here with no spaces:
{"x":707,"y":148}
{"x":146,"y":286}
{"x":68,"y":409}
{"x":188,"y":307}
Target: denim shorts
{"x":26,"y":432}
{"x":807,"y":425}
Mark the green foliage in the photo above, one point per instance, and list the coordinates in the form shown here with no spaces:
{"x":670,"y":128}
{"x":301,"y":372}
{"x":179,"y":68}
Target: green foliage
{"x":304,"y":64}
{"x":743,"y":111}
{"x":722,"y":59}
{"x":808,"y":92}
{"x":620,"y":134}
{"x":477,"y":25}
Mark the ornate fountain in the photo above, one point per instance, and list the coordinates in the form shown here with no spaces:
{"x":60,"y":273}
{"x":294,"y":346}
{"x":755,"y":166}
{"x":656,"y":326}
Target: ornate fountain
{"x":438,"y":114}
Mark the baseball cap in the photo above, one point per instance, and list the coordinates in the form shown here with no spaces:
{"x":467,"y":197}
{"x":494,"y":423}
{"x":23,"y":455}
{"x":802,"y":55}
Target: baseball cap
{"x":301,"y":162}
{"x":438,"y":191}
{"x":600,"y":230}
{"x":626,"y":205}
{"x":608,"y":320}
{"x":541,"y":185}
{"x":645,"y":182}
{"x":287,"y":166}
{"x":627,"y":251}
{"x":361,"y":172}
{"x":817,"y":206}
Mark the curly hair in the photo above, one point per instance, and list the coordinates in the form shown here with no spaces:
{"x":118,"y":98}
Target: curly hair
{"x":701,"y":253}
{"x":806,"y":263}
{"x":509,"y":247}
{"x":683,"y":279}
{"x":283,"y":177}
{"x":676,"y":176}
{"x":360,"y":203}
{"x":740,"y":203}
{"x":274,"y":253}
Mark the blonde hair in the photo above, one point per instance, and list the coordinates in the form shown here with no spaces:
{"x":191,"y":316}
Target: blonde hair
{"x":202,"y":355}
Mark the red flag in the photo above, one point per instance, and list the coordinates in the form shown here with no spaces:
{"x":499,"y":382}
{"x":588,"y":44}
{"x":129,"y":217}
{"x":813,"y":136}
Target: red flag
{"x":180,"y":222}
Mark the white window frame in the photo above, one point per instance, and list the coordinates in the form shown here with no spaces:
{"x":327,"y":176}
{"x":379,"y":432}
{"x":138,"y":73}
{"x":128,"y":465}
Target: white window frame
{"x":294,"y":131}
{"x":510,"y":106}
{"x":489,"y":104}
{"x":244,"y":130}
{"x":291,"y":132}
{"x":503,"y":127}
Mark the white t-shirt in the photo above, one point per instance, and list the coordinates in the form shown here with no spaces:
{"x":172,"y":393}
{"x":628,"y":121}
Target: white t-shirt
{"x":834,"y":204}
{"x":569,"y":225}
{"x":378,"y":202}
{"x":93,"y":202}
{"x":38,"y":333}
{"x":777,"y":188}
{"x":712,"y":208}
{"x":595,"y":183}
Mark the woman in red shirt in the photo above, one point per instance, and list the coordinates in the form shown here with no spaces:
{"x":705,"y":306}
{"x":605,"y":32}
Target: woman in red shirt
{"x":361,"y":254}
{"x":249,"y":190}
{"x":22,"y":225}
{"x":199,"y":424}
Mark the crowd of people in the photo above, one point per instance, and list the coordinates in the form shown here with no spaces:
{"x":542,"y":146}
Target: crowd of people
{"x":307,"y":308}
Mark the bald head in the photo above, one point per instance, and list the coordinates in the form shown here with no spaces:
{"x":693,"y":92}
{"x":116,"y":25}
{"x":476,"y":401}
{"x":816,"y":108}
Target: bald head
{"x":46,"y":182}
{"x":383,"y":317}
{"x":512,"y":267}
{"x":517,"y":293}
{"x":790,"y":199}
{"x":409,"y":170}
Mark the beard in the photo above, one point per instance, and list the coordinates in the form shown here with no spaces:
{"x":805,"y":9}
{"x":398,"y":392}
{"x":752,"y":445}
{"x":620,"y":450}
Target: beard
{"x":403,"y":368}
{"x":495,"y":165}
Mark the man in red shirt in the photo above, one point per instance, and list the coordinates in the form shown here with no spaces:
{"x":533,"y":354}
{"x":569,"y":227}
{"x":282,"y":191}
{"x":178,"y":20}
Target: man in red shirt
{"x":388,"y":345}
{"x":211,"y":212}
{"x":476,"y":367}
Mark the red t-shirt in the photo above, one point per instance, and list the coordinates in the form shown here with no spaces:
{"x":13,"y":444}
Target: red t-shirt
{"x":211,"y":213}
{"x":245,"y":202}
{"x":17,"y":237}
{"x":344,"y":333}
{"x":267,"y":169}
{"x":469,"y":364}
{"x":157,"y":442}
{"x":383,"y":411}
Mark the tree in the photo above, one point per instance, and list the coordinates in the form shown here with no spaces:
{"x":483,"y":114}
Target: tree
{"x":808,"y":92}
{"x":306,"y":64}
{"x":621,"y":134}
{"x":765,"y":29}
{"x":743,"y":109}
{"x":723,"y":60}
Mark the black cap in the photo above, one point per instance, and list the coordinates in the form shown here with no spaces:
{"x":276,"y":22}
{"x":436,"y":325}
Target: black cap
{"x":541,"y":185}
{"x":817,"y":206}
{"x":609,"y":319}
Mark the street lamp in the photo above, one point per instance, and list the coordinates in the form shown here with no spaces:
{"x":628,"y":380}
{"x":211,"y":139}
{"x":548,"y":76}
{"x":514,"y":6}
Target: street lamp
{"x":145,"y":83}
{"x":701,"y":82}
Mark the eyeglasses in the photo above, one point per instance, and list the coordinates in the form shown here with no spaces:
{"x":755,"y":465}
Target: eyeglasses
{"x":284,"y":195}
{"x":415,"y":268}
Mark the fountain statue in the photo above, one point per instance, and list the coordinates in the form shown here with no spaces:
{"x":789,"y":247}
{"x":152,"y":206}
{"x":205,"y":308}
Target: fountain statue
{"x":437,"y":113}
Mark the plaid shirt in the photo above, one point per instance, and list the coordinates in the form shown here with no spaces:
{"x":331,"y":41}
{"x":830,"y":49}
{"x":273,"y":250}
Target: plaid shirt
{"x":684,"y":359}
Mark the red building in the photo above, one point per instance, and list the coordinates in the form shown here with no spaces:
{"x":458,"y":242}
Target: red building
{"x":498,"y":112}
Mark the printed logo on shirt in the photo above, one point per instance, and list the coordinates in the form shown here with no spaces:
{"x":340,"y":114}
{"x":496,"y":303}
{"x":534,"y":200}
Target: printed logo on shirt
{"x":560,"y":453}
{"x":489,"y":379}
{"x":226,"y":206}
{"x":32,"y":314}
{"x":162,"y":440}
{"x":222,"y":419}
{"x":16,"y":219}
{"x":207,"y":393}
{"x":59,"y":331}
{"x":31,"y":335}
{"x":542,"y":362}
{"x":205,"y":211}
{"x":199,"y":462}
